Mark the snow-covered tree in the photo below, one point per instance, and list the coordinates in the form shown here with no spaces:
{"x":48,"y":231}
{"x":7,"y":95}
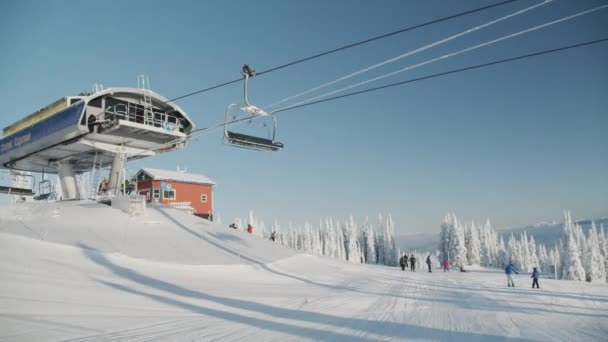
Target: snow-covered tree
{"x":525,"y":264}
{"x":543,"y":259}
{"x":489,"y":245}
{"x":604,"y":248}
{"x":458,"y":245}
{"x":370,"y":243}
{"x":392,"y":257}
{"x":534,"y":262}
{"x":556,"y":261}
{"x":444,"y":235}
{"x":572,"y":268}
{"x":596,"y":271}
{"x":350,"y":241}
{"x":503,"y":254}
{"x":474,"y":246}
{"x":514,"y":252}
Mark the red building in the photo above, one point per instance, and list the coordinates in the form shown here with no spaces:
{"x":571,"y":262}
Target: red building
{"x":177,"y":188}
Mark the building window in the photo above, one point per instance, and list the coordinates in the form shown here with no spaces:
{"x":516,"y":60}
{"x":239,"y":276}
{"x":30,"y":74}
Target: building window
{"x":156,"y":193}
{"x":204,"y":198}
{"x":169,"y":194}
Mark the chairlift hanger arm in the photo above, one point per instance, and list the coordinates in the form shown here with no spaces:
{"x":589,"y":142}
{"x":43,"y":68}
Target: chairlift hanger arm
{"x":245,"y":140}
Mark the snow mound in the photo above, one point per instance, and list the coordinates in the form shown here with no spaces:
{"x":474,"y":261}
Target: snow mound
{"x":163,"y":234}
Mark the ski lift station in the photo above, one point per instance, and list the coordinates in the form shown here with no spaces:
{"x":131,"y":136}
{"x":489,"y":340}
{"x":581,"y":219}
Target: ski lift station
{"x":104,"y":128}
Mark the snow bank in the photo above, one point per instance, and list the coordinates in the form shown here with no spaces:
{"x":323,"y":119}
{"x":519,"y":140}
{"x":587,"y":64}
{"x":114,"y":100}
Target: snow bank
{"x":162,"y":234}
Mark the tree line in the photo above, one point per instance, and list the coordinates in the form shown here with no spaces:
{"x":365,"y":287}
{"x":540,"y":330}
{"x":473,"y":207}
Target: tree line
{"x":356,"y":242}
{"x":575,"y":257}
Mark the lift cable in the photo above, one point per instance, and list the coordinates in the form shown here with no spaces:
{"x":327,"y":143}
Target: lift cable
{"x":345,"y":47}
{"x":205,"y":130}
{"x":452,"y":54}
{"x":447,"y":73}
{"x":412,"y":52}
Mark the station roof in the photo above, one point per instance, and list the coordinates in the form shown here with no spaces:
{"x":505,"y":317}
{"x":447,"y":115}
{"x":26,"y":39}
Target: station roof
{"x":177,"y":176}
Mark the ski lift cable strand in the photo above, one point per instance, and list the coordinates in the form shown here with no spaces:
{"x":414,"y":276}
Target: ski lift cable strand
{"x":369,"y":40}
{"x":203,"y":131}
{"x":478,"y":66}
{"x":452,"y":54}
{"x":410,"y":53}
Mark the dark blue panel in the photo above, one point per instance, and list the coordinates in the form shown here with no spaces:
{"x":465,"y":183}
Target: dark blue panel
{"x":55,"y":123}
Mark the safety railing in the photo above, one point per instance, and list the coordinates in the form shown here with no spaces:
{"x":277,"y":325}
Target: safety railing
{"x":135,"y":113}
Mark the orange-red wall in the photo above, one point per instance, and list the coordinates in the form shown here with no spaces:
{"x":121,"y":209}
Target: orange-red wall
{"x":184,"y":192}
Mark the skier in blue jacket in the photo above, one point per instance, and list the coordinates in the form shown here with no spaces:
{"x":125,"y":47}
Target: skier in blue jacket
{"x":535,"y":276}
{"x":509,"y":270}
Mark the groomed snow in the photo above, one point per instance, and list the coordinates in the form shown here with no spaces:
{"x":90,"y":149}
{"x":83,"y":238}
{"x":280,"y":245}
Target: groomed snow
{"x":79,"y":271}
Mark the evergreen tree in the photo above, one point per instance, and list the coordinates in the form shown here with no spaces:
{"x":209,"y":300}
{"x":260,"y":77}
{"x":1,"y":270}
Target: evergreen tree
{"x":503,"y":254}
{"x":458,"y":249}
{"x":543,"y":259}
{"x":597,"y":271}
{"x":474,"y":247}
{"x":572,"y":268}
{"x":444,"y":236}
{"x":555,"y":261}
{"x":534,"y":262}
{"x":370,"y":245}
{"x":604,"y":248}
{"x":350,"y":235}
{"x":392,"y":258}
{"x":514,"y":252}
{"x":525,"y":264}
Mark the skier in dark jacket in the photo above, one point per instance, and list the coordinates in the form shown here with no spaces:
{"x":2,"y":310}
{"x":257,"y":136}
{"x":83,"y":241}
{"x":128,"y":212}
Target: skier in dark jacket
{"x":535,"y":276}
{"x":428,"y":262}
{"x":402,"y":263}
{"x":509,"y":270}
{"x":413,"y":263}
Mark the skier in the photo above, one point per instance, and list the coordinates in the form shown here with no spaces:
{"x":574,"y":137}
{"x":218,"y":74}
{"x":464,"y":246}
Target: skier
{"x":413,"y":263}
{"x":405,"y":259}
{"x":446,"y":265}
{"x":249,"y":228}
{"x":402,"y":263}
{"x":535,"y":276}
{"x":233,"y":226}
{"x":509,"y":270}
{"x":428,"y":262}
{"x":273,"y":236}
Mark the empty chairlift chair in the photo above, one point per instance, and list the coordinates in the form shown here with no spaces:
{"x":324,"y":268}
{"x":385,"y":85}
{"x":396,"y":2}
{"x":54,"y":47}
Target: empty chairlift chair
{"x":243,"y":140}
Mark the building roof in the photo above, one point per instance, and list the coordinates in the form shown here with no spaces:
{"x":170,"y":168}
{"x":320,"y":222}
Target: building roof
{"x":178,"y":176}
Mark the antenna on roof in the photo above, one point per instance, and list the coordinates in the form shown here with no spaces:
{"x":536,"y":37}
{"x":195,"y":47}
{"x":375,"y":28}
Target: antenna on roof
{"x":97,"y":87}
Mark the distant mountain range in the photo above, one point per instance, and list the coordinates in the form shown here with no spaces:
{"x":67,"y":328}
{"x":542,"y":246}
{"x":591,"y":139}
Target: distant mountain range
{"x":544,"y":233}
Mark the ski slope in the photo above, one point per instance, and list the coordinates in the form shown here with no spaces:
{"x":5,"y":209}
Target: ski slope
{"x":79,"y":271}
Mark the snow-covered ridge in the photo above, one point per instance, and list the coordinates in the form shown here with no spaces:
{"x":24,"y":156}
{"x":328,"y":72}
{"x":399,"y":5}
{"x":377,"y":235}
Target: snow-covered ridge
{"x":163,"y":234}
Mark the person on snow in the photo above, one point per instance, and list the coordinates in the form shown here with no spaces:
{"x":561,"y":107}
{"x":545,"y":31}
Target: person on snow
{"x":509,"y":270}
{"x":446,"y":265}
{"x":535,"y":276}
{"x":273,"y":236}
{"x":402,"y":263}
{"x":413,"y":263}
{"x":233,"y":226}
{"x":249,"y":228}
{"x":428,"y":262}
{"x":405,"y":259}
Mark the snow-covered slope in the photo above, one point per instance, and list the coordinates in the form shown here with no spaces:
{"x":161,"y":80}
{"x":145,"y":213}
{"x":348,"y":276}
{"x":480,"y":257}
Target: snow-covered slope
{"x":163,"y":234}
{"x":84,"y":283}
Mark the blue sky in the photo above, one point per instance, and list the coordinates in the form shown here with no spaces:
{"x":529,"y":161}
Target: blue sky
{"x":518,"y":142}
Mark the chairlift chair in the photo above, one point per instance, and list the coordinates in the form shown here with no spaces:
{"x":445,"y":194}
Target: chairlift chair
{"x":44,"y":189}
{"x":248,"y":141}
